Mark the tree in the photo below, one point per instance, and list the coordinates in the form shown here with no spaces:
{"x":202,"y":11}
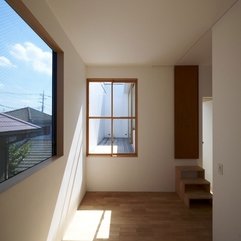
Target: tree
{"x":17,"y":153}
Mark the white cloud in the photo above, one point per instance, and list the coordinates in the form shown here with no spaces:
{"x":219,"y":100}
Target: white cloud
{"x":5,"y":62}
{"x":1,"y":85}
{"x":40,"y":60}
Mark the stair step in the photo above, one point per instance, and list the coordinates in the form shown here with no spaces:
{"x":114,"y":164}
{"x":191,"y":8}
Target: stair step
{"x":189,"y":168}
{"x":189,"y":197}
{"x":195,"y":181}
{"x":197,"y":184}
{"x":191,"y":186}
{"x":198,"y":195}
{"x":184,"y":172}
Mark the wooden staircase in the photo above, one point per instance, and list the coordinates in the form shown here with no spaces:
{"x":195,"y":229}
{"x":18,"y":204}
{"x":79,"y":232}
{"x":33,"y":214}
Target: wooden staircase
{"x":191,"y":186}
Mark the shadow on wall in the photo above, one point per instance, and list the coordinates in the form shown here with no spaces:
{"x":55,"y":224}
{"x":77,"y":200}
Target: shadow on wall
{"x":72,"y":182}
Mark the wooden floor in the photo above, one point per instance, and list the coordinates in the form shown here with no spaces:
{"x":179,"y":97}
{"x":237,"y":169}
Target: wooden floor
{"x":121,"y":145}
{"x":149,"y":217}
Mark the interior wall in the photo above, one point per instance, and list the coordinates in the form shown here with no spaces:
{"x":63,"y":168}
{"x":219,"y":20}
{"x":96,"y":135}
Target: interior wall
{"x":153,"y":169}
{"x":226,"y":122}
{"x":39,"y":207}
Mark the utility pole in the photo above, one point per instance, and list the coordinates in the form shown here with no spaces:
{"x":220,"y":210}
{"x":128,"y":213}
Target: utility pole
{"x":43,"y":99}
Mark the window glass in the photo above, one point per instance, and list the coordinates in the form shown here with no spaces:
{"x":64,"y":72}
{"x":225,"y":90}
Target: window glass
{"x":123,"y":136}
{"x":26,"y":96}
{"x":120,"y":99}
{"x":100,"y":99}
{"x":100,"y":136}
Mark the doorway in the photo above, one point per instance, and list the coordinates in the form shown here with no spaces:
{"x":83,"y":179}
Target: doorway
{"x":207,"y":133}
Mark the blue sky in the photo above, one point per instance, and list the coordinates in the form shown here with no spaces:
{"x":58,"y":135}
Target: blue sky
{"x":25,"y":64}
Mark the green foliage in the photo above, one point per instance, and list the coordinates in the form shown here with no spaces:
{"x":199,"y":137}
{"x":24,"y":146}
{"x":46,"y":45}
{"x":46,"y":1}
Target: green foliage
{"x":16,"y":155}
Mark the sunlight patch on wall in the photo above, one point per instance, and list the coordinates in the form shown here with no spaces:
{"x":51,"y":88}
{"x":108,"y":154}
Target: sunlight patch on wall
{"x":73,"y":177}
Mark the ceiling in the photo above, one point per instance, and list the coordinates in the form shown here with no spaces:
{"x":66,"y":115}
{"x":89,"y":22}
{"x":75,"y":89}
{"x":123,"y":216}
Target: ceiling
{"x":140,"y":32}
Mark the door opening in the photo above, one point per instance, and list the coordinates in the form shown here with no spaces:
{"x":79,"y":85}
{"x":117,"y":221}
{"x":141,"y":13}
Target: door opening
{"x":207,"y":133}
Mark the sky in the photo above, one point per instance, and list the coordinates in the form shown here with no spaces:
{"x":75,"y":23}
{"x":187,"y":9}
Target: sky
{"x":25,"y":65}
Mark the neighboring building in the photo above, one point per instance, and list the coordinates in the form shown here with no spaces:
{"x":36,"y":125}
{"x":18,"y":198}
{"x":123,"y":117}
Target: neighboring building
{"x":35,"y":117}
{"x":13,"y":130}
{"x":21,"y":126}
{"x":13,"y":125}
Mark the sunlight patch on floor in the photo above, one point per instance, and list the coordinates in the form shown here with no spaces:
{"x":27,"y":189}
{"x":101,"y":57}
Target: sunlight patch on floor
{"x":88,"y":225}
{"x":104,"y":230}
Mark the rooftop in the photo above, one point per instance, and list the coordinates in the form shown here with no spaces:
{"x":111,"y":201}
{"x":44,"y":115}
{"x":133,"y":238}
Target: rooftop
{"x":9,"y":123}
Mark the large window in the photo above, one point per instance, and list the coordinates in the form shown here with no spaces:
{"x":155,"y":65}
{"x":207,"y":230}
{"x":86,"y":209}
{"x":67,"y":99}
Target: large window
{"x":28,"y":72}
{"x":112,"y":117}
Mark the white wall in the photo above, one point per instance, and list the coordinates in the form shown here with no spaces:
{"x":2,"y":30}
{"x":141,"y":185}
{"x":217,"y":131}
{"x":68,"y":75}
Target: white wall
{"x":227,"y":128}
{"x":208,"y":140}
{"x":153,"y":169}
{"x":38,"y":208}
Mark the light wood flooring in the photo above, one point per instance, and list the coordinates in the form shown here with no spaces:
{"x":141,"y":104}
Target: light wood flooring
{"x":150,"y":217}
{"x":121,"y":145}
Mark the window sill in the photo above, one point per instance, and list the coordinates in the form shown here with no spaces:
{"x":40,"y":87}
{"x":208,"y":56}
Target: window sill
{"x":7,"y":184}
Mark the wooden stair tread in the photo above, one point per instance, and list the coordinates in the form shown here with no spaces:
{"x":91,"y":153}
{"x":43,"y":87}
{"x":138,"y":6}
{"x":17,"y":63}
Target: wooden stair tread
{"x":198,"y":195}
{"x":189,"y":168}
{"x":195,"y":181}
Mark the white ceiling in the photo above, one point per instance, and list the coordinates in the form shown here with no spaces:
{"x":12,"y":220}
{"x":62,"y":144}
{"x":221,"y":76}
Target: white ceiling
{"x":200,"y":53}
{"x":140,"y":32}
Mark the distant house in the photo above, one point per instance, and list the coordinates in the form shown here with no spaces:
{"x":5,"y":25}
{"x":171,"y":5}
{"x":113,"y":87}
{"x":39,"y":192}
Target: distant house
{"x":13,"y":130}
{"x":20,"y":126}
{"x":10,"y":125}
{"x":35,"y":117}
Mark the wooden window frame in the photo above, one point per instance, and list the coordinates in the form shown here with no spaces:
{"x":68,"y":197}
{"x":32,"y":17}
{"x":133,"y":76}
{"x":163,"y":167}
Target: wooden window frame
{"x":88,"y":117}
{"x":58,"y":101}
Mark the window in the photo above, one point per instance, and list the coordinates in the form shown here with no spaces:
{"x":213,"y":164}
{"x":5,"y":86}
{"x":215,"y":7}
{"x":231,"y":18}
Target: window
{"x":112,"y":117}
{"x":29,"y":70}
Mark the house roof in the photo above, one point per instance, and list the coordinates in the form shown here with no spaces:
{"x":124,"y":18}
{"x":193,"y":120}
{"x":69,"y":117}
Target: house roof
{"x":31,"y":115}
{"x":12,"y":124}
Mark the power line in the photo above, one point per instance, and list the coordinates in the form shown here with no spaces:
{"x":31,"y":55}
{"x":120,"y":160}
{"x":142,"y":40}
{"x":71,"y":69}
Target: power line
{"x":43,"y":100}
{"x":14,"y":93}
{"x":9,"y":107}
